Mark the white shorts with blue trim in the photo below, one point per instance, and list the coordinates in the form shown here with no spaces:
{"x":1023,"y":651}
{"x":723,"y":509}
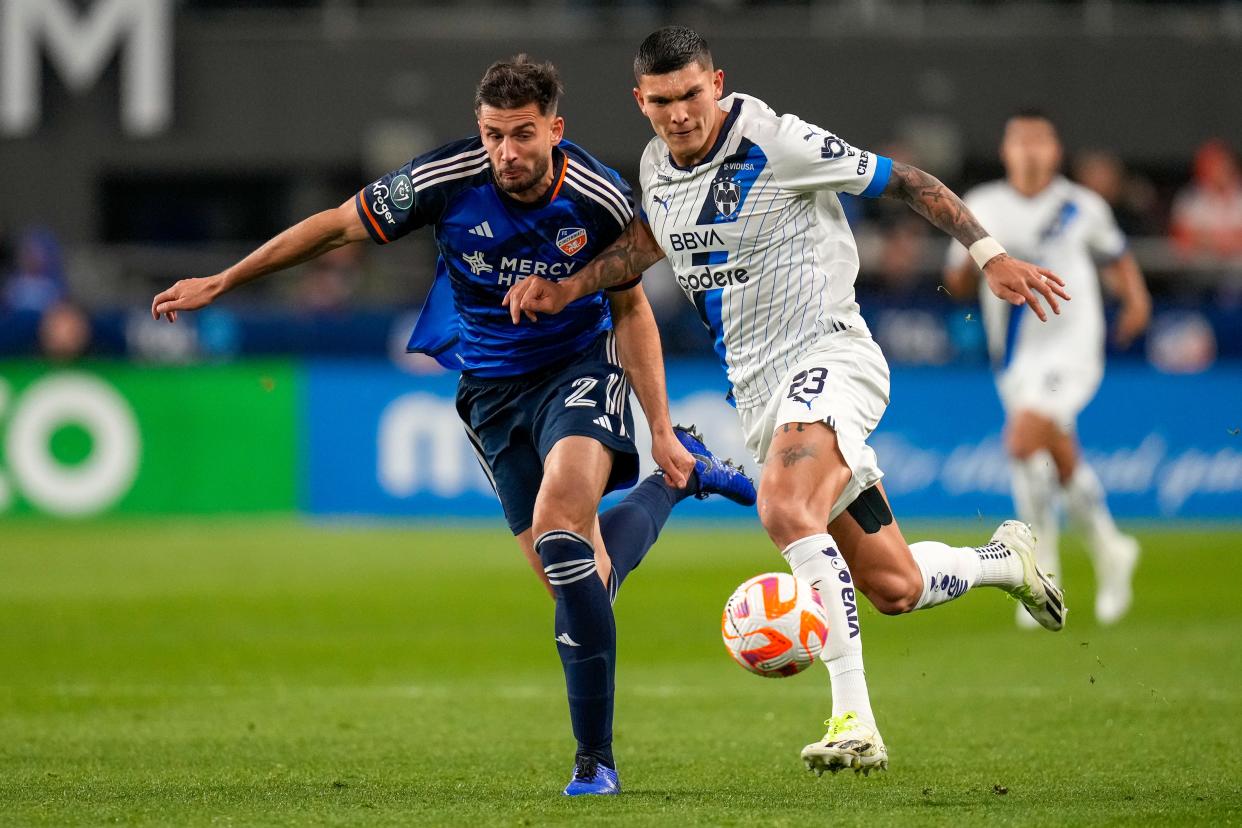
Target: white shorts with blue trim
{"x":1058,"y":391}
{"x":842,"y":380}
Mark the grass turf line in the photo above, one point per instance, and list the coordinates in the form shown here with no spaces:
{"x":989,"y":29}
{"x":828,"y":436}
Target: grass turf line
{"x":257,"y":673}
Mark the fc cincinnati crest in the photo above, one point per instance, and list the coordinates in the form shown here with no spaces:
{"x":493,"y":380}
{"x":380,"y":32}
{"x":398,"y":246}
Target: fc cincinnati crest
{"x":571,"y":239}
{"x":727,"y":195}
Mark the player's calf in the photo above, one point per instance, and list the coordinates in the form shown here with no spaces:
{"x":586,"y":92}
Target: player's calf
{"x":586,"y":639}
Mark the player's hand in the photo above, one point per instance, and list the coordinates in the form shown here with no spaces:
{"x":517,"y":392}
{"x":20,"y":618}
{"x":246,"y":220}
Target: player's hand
{"x":671,"y":456}
{"x":533,"y":295}
{"x":1131,"y":322}
{"x":188,"y":294}
{"x":1019,"y":282}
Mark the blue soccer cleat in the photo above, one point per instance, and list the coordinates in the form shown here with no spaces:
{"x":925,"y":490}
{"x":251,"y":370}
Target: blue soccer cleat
{"x":716,"y":476}
{"x":592,"y":779}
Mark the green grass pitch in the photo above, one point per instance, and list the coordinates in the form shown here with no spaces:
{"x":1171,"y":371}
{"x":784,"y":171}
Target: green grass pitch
{"x":281,"y":673}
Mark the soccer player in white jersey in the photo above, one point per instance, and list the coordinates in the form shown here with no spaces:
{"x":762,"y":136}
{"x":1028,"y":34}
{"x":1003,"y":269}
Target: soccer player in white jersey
{"x":743,"y":203}
{"x":1046,"y":374}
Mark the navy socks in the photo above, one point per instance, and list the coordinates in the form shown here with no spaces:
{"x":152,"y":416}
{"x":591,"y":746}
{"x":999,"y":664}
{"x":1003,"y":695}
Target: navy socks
{"x":586,"y":638}
{"x":631,"y":527}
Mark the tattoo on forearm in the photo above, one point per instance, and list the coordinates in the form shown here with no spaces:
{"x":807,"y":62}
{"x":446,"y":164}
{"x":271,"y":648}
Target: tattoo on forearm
{"x":793,"y":454}
{"x":934,"y":202}
{"x":624,"y":259}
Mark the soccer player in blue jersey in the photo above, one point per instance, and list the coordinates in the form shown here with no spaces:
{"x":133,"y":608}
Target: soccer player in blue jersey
{"x":546,"y":406}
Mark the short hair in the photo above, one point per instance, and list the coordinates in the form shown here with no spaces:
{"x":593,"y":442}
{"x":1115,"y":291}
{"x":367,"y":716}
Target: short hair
{"x":517,"y":82}
{"x":669,"y":49}
{"x":1032,"y":113}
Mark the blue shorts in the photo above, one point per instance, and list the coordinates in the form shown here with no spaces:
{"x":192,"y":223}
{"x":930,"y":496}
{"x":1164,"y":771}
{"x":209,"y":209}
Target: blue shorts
{"x":513,"y":422}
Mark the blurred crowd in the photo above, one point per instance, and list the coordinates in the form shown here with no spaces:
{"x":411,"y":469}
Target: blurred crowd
{"x":1190,"y":230}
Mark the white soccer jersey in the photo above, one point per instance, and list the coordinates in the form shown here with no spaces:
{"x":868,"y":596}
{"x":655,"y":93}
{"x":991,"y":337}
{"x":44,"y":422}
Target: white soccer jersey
{"x":758,"y":240}
{"x":1064,"y":228}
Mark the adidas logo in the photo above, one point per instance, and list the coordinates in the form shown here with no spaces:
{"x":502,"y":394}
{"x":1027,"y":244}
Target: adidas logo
{"x":603,"y":422}
{"x":484,"y":230}
{"x":567,"y":641}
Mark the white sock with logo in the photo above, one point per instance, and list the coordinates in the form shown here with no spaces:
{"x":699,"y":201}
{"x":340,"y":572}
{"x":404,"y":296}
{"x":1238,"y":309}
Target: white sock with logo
{"x":950,"y":571}
{"x":817,"y":561}
{"x":1035,"y":489}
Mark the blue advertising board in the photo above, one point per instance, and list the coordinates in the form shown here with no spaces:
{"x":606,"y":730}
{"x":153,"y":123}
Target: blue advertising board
{"x":380,"y":441}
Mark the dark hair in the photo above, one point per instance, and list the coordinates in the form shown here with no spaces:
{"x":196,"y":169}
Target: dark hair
{"x":1032,"y":113}
{"x":669,"y":49}
{"x":517,"y":82}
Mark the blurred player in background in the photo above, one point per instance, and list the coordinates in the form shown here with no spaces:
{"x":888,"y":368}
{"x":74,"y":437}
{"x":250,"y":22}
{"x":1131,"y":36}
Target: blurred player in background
{"x":743,"y":203}
{"x":1048,"y":373}
{"x":546,"y":407}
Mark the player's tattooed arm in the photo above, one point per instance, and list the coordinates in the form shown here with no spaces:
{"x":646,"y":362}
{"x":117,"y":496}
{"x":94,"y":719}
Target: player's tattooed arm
{"x":1013,"y":280}
{"x":934,"y":202}
{"x":624,"y":260}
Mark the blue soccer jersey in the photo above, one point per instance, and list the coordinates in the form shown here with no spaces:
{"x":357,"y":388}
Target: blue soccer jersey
{"x":488,"y":241}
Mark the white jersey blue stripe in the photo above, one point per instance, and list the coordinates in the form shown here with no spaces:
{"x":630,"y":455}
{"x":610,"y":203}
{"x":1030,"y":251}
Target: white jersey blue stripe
{"x":757,"y":239}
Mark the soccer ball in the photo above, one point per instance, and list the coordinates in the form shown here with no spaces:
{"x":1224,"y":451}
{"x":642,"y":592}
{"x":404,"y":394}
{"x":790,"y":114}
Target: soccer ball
{"x":774,"y":625}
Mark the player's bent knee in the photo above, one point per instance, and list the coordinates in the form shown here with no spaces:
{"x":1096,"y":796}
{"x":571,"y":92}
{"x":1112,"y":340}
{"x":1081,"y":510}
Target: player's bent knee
{"x":1021,"y":444}
{"x":566,"y":556}
{"x":893,"y":593}
{"x":893,"y":604}
{"x":552,"y":513}
{"x":786,"y":521}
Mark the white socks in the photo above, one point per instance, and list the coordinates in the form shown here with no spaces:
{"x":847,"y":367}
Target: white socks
{"x":949,"y":571}
{"x":1035,"y":489}
{"x":817,"y":561}
{"x":1084,"y":500}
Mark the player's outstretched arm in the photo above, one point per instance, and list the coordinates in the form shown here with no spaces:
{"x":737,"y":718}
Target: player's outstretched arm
{"x":638,"y":344}
{"x":303,"y":241}
{"x":1125,"y":279}
{"x":1011,"y":279}
{"x":634,"y":251}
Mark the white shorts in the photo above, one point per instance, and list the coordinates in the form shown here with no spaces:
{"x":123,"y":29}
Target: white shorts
{"x":1057,"y":391}
{"x":842,"y":381}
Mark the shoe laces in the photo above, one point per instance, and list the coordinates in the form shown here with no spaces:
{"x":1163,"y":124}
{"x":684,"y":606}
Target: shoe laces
{"x":839,"y":724}
{"x":585,"y":768}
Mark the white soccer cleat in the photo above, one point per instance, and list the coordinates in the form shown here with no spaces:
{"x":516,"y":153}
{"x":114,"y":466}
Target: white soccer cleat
{"x":1115,"y":564}
{"x":1043,"y":599}
{"x":849,"y":743}
{"x":1023,"y":619}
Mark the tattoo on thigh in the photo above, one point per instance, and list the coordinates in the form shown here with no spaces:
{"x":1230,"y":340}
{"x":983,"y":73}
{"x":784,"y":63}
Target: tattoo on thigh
{"x":786,"y":427}
{"x":793,"y":454}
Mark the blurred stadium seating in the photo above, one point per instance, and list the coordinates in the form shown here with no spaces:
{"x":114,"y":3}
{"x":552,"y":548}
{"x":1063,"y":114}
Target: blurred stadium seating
{"x":186,"y":132}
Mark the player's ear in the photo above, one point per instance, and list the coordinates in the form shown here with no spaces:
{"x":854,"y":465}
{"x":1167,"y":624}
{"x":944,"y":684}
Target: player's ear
{"x":638,"y":99}
{"x":718,"y":83}
{"x":558,"y":129}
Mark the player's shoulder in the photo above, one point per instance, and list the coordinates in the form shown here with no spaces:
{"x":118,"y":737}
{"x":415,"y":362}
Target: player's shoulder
{"x":1084,"y":196}
{"x":451,"y":165}
{"x":989,"y":192}
{"x":759,"y":122}
{"x":779,"y":135}
{"x":653,"y":163}
{"x":596,"y":185}
{"x":583,"y":163}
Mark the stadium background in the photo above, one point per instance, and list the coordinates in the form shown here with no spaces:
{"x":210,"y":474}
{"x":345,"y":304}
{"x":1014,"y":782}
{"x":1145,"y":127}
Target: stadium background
{"x":187,"y":512}
{"x":261,"y":113}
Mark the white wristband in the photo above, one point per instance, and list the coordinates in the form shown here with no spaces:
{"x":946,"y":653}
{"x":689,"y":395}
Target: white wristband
{"x":985,"y":250}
